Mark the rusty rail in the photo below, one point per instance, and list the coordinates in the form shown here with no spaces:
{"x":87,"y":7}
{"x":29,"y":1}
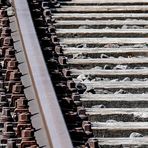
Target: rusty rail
{"x":53,"y":120}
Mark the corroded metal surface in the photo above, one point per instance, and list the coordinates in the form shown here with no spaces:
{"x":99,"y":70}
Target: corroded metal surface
{"x":53,"y":121}
{"x":96,"y":56}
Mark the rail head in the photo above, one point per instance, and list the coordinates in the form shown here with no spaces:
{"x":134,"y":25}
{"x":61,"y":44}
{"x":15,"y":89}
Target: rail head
{"x":55,"y":126}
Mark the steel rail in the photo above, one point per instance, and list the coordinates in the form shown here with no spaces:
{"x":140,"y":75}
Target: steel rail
{"x":54,"y":124}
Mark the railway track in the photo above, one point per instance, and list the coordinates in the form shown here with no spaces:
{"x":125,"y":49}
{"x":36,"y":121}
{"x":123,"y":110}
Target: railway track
{"x":96,"y":54}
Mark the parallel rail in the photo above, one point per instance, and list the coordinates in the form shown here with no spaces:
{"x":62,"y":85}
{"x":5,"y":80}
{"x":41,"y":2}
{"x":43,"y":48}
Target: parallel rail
{"x":53,"y":120}
{"x":96,"y":55}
